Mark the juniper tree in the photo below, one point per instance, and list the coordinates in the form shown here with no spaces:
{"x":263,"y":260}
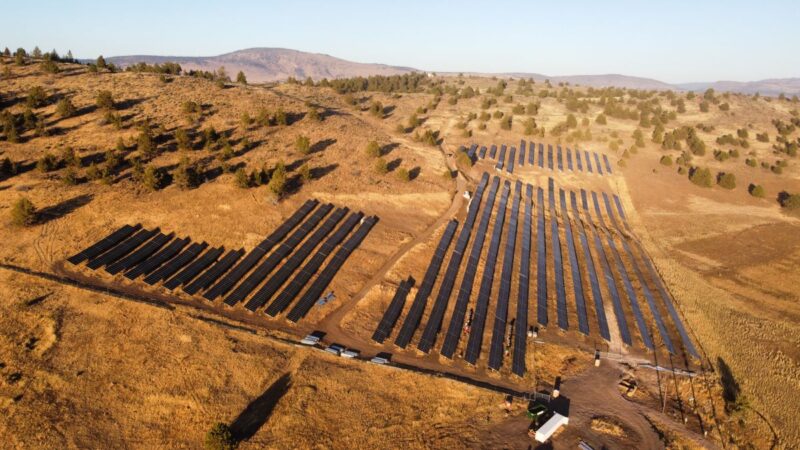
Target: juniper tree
{"x":23,"y":213}
{"x":302,"y":144}
{"x":241,"y":78}
{"x":65,"y":108}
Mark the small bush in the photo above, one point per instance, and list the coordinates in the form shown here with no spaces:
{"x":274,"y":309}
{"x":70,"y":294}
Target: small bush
{"x":277,"y":183}
{"x":152,"y":178}
{"x":726,"y":180}
{"x":70,"y":177}
{"x":186,"y":175}
{"x":756,"y":190}
{"x":791,"y":202}
{"x":47,"y":163}
{"x":305,"y":172}
{"x":666,"y":160}
{"x":241,"y":178}
{"x":380,"y":166}
{"x":376,"y":109}
{"x":701,"y":176}
{"x":403,"y":174}
{"x":23,"y":213}
{"x":105,"y":100}
{"x":302,"y":144}
{"x":373,"y":149}
{"x":219,"y":437}
{"x":65,"y":108}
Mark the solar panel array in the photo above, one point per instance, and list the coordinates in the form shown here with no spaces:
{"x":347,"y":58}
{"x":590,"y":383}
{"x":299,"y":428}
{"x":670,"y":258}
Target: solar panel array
{"x":414,"y":316}
{"x":179,"y":263}
{"x":446,"y":288}
{"x":510,"y":326}
{"x":392,"y":313}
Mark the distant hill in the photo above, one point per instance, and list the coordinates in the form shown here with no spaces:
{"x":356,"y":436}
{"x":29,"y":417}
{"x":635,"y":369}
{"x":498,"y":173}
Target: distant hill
{"x":275,"y":64}
{"x":773,"y":87}
{"x":271,"y":64}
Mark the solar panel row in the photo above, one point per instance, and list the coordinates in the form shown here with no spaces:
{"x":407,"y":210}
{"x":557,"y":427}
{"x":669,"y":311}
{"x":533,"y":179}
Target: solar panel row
{"x":493,"y":152}
{"x":175,"y":264}
{"x":569,"y":159}
{"x":302,"y":277}
{"x":278,"y":254}
{"x":482,"y":153}
{"x":121,"y":249}
{"x":511,"y":158}
{"x":541,"y":264}
{"x":634,"y":302}
{"x":521,"y":161}
{"x":550,"y":157}
{"x":487,"y":280}
{"x":520,"y":338}
{"x":278,"y":278}
{"x":559,"y":159}
{"x":578,"y":160}
{"x":465,"y":291}
{"x":414,"y":315}
{"x":104,"y":244}
{"x":501,"y":309}
{"x":211,"y":275}
{"x":541,"y":156}
{"x":392,"y":313}
{"x":192,"y":270}
{"x":150,"y":264}
{"x":313,"y":293}
{"x":225,"y":284}
{"x":501,"y":158}
{"x":446,"y":288}
{"x":622,"y":324}
{"x":577,"y":282}
{"x":531,"y":151}
{"x":597,"y":295}
{"x":140,"y":254}
{"x":558,"y":266}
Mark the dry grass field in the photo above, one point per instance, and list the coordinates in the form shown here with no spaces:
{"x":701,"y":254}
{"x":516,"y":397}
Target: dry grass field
{"x":83,"y":369}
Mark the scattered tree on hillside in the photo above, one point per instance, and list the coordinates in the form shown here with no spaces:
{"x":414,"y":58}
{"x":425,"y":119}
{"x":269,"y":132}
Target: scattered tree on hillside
{"x":756,"y":190}
{"x":219,"y":437}
{"x":65,"y":108}
{"x":302,"y":144}
{"x":105,"y":100}
{"x":186,"y":175}
{"x":380,"y":166}
{"x":702,"y":177}
{"x":373,"y":149}
{"x":726,"y":180}
{"x":152,"y":178}
{"x":241,"y":78}
{"x":23,"y":213}
{"x":277,"y":182}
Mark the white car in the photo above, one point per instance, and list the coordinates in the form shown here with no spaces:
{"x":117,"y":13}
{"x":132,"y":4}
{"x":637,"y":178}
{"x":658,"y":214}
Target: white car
{"x":350,"y":353}
{"x":310,"y":340}
{"x":379,"y":360}
{"x":335,"y":349}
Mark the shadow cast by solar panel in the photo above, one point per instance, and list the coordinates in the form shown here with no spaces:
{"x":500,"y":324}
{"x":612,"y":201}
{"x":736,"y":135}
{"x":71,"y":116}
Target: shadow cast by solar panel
{"x":60,"y":210}
{"x":256,"y":414}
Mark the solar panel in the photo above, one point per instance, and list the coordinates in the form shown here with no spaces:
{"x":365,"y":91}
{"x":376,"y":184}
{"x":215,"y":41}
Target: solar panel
{"x":140,"y":254}
{"x":550,"y":157}
{"x":255,"y":255}
{"x":192,"y":270}
{"x":569,"y":159}
{"x":493,"y":152}
{"x":175,"y":264}
{"x":501,"y":159}
{"x":392,"y":313}
{"x":597,"y":294}
{"x":511,"y":159}
{"x":608,"y":165}
{"x":651,"y":303}
{"x":588,"y":161}
{"x":211,"y":275}
{"x":610,"y":211}
{"x":313,"y":293}
{"x":622,"y":324}
{"x":302,"y":277}
{"x":560,"y":158}
{"x":121,"y":250}
{"x":541,"y":262}
{"x":541,"y":156}
{"x":521,"y":161}
{"x":626,"y":283}
{"x":551,"y":196}
{"x":501,"y":309}
{"x":414,"y":315}
{"x":278,"y":278}
{"x":152,"y":263}
{"x":482,"y":153}
{"x":487,"y":279}
{"x":531,"y":151}
{"x":597,"y":210}
{"x":597,"y":164}
{"x":578,"y":160}
{"x":440,"y":305}
{"x":520,"y":337}
{"x":665,"y":298}
{"x":577,"y":282}
{"x":471,"y":152}
{"x":278,"y":254}
{"x":104,"y":244}
{"x":464,"y":292}
{"x":561,"y":292}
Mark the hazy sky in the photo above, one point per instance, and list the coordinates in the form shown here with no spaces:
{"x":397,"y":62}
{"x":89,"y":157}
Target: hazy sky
{"x":674,"y":41}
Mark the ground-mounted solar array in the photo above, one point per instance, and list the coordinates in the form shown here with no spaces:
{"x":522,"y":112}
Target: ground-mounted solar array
{"x":294,"y":265}
{"x":549,"y":157}
{"x":523,"y":255}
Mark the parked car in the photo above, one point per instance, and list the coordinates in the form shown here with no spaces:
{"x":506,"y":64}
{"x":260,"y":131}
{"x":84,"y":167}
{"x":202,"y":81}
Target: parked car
{"x":350,"y":353}
{"x":311,"y":339}
{"x":336,"y":349}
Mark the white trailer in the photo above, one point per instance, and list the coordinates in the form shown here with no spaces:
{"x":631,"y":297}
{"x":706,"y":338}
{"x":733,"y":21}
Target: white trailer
{"x":550,"y":427}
